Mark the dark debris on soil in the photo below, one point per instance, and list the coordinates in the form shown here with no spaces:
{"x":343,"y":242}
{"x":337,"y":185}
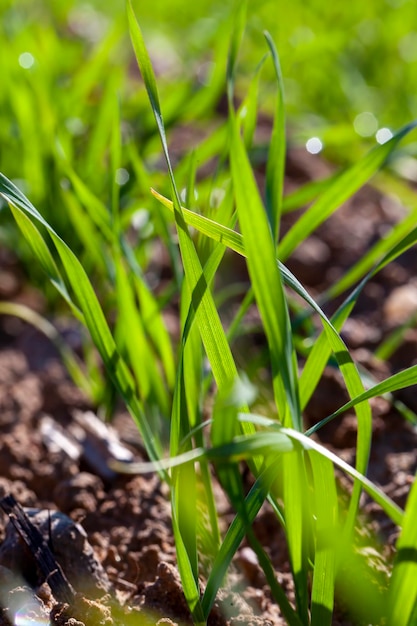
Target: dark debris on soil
{"x":111,"y":534}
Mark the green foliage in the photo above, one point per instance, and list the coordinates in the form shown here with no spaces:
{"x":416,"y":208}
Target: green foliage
{"x":72,"y":163}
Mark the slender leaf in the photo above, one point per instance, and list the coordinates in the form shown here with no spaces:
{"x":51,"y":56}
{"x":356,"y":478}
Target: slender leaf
{"x":275,"y":168}
{"x":340,"y":190}
{"x":266,"y":280}
{"x":403,"y":585}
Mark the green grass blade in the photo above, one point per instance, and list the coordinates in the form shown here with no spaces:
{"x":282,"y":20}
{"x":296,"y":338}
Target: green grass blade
{"x":275,"y":167}
{"x":131,"y":337}
{"x":266,"y":280}
{"x":296,"y":513}
{"x":340,"y":190}
{"x":237,"y":35}
{"x":212,"y":333}
{"x":96,"y":210}
{"x":397,"y":235}
{"x":95,"y":321}
{"x":183,"y":496}
{"x":331,"y":338}
{"x":326,"y":537}
{"x":86,"y":232}
{"x":214,"y":339}
{"x":403,"y":585}
{"x":401,"y":380}
{"x":233,"y":539}
{"x":152,"y":316}
{"x":42,"y":253}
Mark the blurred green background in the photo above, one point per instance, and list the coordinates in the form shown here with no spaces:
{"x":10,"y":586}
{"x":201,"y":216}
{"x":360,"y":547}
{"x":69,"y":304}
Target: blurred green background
{"x":350,"y":69}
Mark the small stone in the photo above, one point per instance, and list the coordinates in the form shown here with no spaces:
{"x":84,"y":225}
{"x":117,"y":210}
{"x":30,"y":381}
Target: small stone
{"x":400,"y":305}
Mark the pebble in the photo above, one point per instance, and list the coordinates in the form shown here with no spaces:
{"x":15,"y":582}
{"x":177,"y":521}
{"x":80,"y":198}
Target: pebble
{"x":400,"y":305}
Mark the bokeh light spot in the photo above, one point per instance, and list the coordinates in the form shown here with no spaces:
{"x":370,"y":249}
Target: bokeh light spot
{"x":365,"y":124}
{"x":383,"y":135}
{"x":314,"y":145}
{"x":26,"y":60}
{"x":122,"y":176}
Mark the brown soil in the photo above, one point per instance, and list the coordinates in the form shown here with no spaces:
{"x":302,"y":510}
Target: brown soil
{"x":121,"y":561}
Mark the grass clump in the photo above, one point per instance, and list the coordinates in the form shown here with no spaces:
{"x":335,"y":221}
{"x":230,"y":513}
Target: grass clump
{"x":167,"y":385}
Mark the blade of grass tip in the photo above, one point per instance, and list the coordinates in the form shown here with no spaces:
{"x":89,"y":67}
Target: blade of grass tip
{"x":266,"y":279}
{"x":340,"y":190}
{"x":239,"y":23}
{"x":248,"y":110}
{"x":402,"y":595}
{"x":115,"y":163}
{"x":401,"y":380}
{"x":365,"y":264}
{"x":275,"y":167}
{"x":213,"y":336}
{"x":143,"y":182}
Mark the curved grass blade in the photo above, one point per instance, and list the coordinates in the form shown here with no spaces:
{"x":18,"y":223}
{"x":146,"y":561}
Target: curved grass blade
{"x":42,"y":253}
{"x":368,"y":261}
{"x":95,"y":321}
{"x":331,"y":337}
{"x":213,"y":336}
{"x":340,"y":190}
{"x":402,"y":379}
